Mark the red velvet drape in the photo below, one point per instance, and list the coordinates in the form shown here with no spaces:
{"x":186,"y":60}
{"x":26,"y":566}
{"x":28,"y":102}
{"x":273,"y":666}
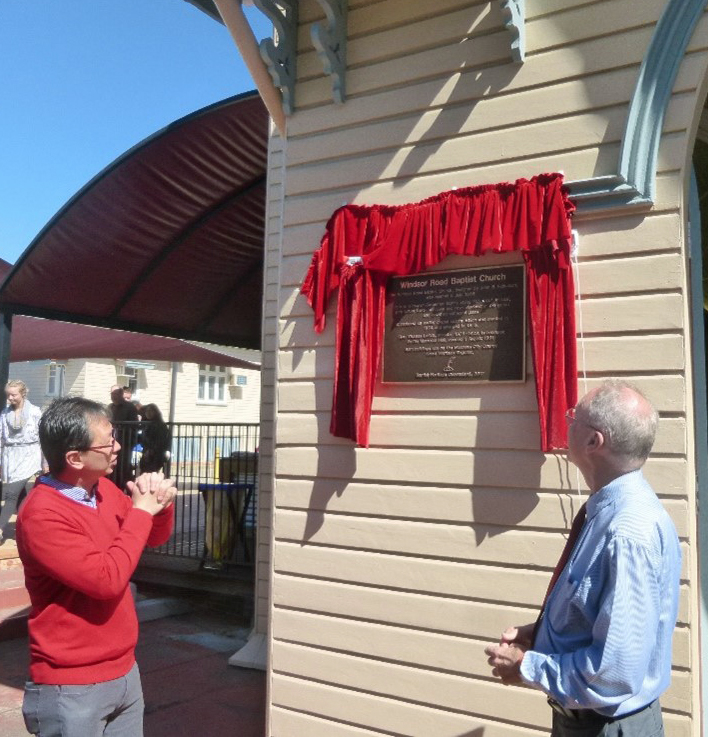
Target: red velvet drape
{"x":532,"y":216}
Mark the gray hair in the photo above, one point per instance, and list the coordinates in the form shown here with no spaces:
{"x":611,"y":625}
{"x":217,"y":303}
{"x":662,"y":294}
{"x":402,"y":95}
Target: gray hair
{"x":628,"y":430}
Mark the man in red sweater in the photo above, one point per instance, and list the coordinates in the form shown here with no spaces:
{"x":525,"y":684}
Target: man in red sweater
{"x":80,"y":539}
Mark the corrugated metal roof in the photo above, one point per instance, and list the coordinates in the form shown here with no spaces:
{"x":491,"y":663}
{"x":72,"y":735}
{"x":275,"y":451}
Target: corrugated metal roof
{"x":167,"y":240}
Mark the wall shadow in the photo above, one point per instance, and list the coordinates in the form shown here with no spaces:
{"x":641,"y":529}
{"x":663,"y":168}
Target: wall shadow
{"x":325,"y":486}
{"x":503,"y":488}
{"x":476,"y":88}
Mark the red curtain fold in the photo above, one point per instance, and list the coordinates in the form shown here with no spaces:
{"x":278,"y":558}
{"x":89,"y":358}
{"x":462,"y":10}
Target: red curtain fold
{"x":360,"y":323}
{"x":551,"y":308}
{"x":532,"y":216}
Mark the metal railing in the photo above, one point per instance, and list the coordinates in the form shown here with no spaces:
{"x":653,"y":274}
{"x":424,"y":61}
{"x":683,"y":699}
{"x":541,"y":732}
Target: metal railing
{"x":215,"y":469}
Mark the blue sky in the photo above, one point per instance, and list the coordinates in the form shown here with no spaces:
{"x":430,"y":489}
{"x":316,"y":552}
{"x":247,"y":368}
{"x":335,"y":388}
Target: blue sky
{"x":81,"y":81}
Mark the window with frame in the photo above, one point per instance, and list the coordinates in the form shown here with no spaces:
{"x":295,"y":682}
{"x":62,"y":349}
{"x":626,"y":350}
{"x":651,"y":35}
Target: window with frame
{"x":130,"y":377}
{"x":55,"y":380}
{"x":127,"y":376}
{"x":212,"y":384}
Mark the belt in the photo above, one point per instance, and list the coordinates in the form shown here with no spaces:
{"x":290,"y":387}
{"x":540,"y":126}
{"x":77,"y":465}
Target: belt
{"x":577,"y":714}
{"x":588,"y":714}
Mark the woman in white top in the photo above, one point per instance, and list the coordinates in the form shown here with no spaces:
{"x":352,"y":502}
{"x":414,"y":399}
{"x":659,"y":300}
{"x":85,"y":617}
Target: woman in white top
{"x":20,"y":453}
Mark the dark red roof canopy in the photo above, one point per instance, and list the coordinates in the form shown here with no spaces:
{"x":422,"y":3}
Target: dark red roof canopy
{"x":34,"y":338}
{"x":167,"y":240}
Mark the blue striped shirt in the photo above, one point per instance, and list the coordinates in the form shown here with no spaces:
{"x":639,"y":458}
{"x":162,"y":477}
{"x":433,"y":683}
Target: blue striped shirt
{"x":605,"y":639}
{"x":75,"y":493}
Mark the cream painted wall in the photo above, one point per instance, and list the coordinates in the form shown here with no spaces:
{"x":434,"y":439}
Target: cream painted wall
{"x":100,"y":377}
{"x":393,"y":566}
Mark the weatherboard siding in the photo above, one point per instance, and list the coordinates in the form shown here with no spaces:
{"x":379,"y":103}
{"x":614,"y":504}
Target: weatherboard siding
{"x":271,"y":279}
{"x":393,"y":566}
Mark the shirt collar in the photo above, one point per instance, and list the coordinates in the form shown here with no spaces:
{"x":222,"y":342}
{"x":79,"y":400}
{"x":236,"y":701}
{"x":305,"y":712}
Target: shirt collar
{"x":610,"y":493}
{"x":76,"y":493}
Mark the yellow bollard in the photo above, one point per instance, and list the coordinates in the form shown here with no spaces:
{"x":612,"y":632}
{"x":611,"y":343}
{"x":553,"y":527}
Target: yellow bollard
{"x":216,"y":463}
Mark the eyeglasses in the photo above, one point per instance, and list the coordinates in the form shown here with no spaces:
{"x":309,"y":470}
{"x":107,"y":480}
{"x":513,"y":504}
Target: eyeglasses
{"x":570,"y":418}
{"x":111,"y":445}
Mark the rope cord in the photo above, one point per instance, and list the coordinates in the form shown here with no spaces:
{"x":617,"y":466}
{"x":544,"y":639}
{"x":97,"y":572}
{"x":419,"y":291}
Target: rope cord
{"x":583,"y":361}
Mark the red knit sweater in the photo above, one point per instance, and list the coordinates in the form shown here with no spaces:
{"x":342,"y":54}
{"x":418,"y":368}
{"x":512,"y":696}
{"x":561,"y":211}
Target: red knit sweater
{"x":78,"y":562}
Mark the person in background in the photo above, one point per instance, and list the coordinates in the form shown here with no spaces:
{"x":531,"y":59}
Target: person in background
{"x":601,"y":646}
{"x":80,"y":539}
{"x":122,"y":412}
{"x":155,"y":440}
{"x":20,"y":453}
{"x":127,"y":394}
{"x":120,"y":409}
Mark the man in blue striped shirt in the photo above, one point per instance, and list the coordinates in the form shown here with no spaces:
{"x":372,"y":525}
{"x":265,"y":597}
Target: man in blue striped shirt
{"x":601,"y":649}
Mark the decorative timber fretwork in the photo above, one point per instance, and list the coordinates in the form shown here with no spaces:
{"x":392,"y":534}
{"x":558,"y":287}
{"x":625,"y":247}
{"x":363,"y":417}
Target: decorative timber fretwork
{"x":330,"y":40}
{"x":280,"y":54}
{"x":634,"y":185}
{"x":515,"y":14}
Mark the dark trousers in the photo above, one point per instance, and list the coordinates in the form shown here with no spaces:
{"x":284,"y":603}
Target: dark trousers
{"x":12,"y":496}
{"x":586,"y":723}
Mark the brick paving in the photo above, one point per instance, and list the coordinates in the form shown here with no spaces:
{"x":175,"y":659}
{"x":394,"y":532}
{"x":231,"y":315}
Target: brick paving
{"x":190,"y":690}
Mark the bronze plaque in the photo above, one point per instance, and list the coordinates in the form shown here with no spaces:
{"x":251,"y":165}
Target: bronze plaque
{"x":463,"y":325}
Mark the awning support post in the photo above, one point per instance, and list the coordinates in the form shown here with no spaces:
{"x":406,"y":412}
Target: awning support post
{"x":5,"y":339}
{"x":174,"y":368}
{"x":234,"y":19}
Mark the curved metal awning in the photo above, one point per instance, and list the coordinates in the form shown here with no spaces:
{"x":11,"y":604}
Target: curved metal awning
{"x":34,"y":338}
{"x":167,"y":240}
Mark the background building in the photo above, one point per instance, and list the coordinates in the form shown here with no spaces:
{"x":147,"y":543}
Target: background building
{"x":203,"y":392}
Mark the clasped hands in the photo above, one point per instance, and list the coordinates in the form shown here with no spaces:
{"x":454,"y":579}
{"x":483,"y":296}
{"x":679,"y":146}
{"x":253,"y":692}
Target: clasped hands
{"x":505,"y":658}
{"x":152,"y":492}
